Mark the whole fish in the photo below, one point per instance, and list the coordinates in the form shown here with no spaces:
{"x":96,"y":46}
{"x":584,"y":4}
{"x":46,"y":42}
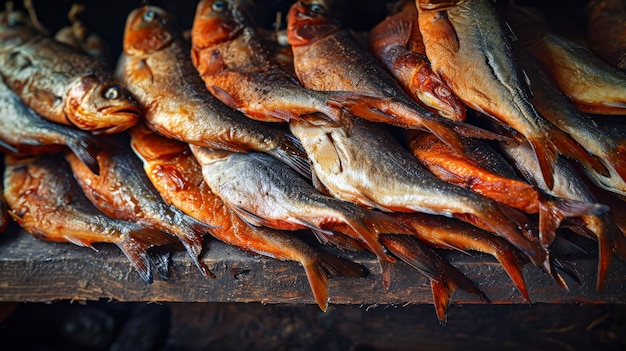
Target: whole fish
{"x":397,"y":43}
{"x":609,"y":147}
{"x":485,"y":171}
{"x":22,"y":131}
{"x":592,"y":85}
{"x":64,"y":85}
{"x":363,"y":164}
{"x":606,"y":28}
{"x":123,"y":191}
{"x":262,"y":191}
{"x":159,"y":71}
{"x":46,"y":201}
{"x":79,"y":36}
{"x":239,"y":70}
{"x":469,"y":48}
{"x":176,"y":174}
{"x":328,"y":57}
{"x":568,"y":183}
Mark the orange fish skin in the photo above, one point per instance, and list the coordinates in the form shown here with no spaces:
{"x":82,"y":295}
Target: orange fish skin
{"x":46,"y":201}
{"x":176,"y":174}
{"x":470,"y":49}
{"x":397,"y":43}
{"x":238,"y":69}
{"x":123,"y":191}
{"x":606,"y":28}
{"x":159,"y":70}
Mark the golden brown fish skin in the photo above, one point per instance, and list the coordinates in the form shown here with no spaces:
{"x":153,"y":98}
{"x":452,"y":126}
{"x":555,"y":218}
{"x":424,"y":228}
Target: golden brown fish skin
{"x":363,"y":164}
{"x":568,"y":183}
{"x":262,"y":191}
{"x":176,"y":174}
{"x":46,"y":201}
{"x":67,"y":86}
{"x":606,"y":28}
{"x":24,"y":132}
{"x":609,"y":148}
{"x":159,"y":71}
{"x":468,"y":46}
{"x":591,"y":84}
{"x":397,"y":43}
{"x":238,"y":69}
{"x":123,"y":191}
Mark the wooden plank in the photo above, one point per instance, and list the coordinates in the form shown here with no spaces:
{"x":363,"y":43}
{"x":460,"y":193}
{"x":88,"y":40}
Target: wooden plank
{"x":35,"y":270}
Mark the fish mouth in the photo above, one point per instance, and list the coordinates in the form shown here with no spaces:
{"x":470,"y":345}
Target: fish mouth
{"x":121,"y":118}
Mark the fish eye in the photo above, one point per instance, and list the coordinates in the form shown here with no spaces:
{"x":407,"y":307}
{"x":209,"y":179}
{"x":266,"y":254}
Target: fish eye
{"x":317,"y":8}
{"x":113,"y":93}
{"x":16,"y":22}
{"x":149,"y":16}
{"x":219,"y":6}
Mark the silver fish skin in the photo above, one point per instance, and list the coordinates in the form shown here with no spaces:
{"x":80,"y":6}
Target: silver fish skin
{"x":123,"y":191}
{"x":45,"y":200}
{"x":362,"y":163}
{"x":262,"y":191}
{"x":159,"y":71}
{"x":23,"y":131}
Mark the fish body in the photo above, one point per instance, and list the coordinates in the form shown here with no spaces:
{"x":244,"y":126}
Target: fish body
{"x":45,"y":200}
{"x":237,"y":68}
{"x":22,"y":131}
{"x":123,"y":191}
{"x":159,"y":71}
{"x":67,"y":86}
{"x":606,"y":28}
{"x":176,"y":174}
{"x":469,"y":47}
{"x":264,"y":192}
{"x":397,"y":43}
{"x":363,"y":164}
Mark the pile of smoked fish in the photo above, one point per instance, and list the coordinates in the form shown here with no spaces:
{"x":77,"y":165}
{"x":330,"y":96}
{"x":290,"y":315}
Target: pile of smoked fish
{"x":467,"y":125}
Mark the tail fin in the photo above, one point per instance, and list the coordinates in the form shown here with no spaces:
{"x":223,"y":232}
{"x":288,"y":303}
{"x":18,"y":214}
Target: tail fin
{"x":136,"y":245}
{"x":318,"y":281}
{"x":191,"y":237}
{"x":292,"y":154}
{"x":547,"y":155}
{"x":552,"y":211}
{"x":87,"y":152}
{"x":569,"y":147}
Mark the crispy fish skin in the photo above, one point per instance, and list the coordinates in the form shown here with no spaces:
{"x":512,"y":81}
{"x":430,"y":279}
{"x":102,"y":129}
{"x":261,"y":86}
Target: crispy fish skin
{"x":22,"y":131}
{"x":362,"y":163}
{"x":159,"y":71}
{"x":236,"y":67}
{"x":606,"y":25}
{"x":262,"y":191}
{"x":67,"y":86}
{"x":177,"y":175}
{"x":46,"y":201}
{"x":123,"y":191}
{"x":397,"y":43}
{"x":467,"y":45}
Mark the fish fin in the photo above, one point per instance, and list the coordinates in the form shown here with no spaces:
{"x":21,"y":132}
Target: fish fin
{"x":513,"y":267}
{"x":318,"y":281}
{"x":470,"y":131}
{"x":568,"y":147}
{"x":160,"y":261}
{"x":78,"y":242}
{"x":326,"y":265}
{"x":546,"y":154}
{"x":87,"y":151}
{"x":366,"y":232}
{"x":282,"y":115}
{"x":397,"y":32}
{"x":192,"y":239}
{"x":385,"y":224}
{"x":552,"y":211}
{"x":136,"y":244}
{"x":223,"y":96}
{"x":341,"y":241}
{"x":412,"y":252}
{"x":292,"y":154}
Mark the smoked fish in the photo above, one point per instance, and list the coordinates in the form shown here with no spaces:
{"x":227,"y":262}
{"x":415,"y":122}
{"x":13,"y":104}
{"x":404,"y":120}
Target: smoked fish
{"x":606,"y":31}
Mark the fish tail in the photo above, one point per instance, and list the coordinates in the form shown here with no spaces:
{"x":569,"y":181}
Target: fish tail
{"x":136,"y":244}
{"x":192,"y":237}
{"x":87,"y":152}
{"x":342,"y":241}
{"x":319,"y":284}
{"x":606,"y":243}
{"x":547,"y":155}
{"x":569,"y":147}
{"x":370,"y":237}
{"x":292,"y":154}
{"x":552,"y":211}
{"x":513,"y":268}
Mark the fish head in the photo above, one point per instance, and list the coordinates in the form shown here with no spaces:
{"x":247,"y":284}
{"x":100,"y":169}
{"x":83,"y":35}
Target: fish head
{"x":217,"y":21}
{"x":436,"y":4}
{"x":309,"y":21}
{"x":148,"y":29}
{"x":100,"y":104}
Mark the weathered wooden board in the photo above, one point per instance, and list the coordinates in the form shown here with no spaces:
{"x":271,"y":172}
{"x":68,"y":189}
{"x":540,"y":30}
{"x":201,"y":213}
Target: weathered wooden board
{"x":35,"y":270}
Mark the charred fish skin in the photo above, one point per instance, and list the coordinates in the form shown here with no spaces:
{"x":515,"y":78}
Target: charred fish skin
{"x":238,"y":69}
{"x":45,"y":200}
{"x":177,"y":176}
{"x":159,"y":71}
{"x":22,"y":131}
{"x":469,"y":47}
{"x":262,"y":191}
{"x":123,"y":191}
